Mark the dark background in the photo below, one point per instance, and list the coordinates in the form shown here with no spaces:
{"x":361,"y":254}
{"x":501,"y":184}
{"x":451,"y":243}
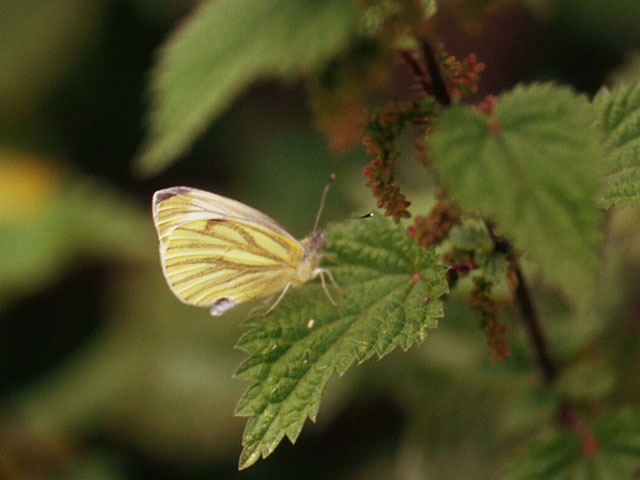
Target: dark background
{"x":104,"y":374}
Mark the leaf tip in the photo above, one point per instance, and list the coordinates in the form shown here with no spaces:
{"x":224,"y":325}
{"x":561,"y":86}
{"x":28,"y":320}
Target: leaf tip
{"x":248,"y":457}
{"x":147,"y":162}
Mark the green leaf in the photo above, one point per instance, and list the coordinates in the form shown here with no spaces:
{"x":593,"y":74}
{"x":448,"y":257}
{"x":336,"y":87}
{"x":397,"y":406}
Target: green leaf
{"x":619,"y":118}
{"x":392,"y":288}
{"x":472,"y":236}
{"x":224,"y":46}
{"x":534,"y":167}
{"x":560,"y":455}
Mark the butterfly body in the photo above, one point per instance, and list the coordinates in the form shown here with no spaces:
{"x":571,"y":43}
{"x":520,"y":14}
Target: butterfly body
{"x":218,"y":252}
{"x":312,"y":247}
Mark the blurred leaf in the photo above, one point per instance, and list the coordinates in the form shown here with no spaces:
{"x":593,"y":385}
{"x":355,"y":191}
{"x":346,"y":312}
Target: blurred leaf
{"x":530,"y":408}
{"x":560,"y":455}
{"x":586,"y":380}
{"x":392,"y":288}
{"x":48,"y":219}
{"x":224,"y":46}
{"x":28,"y":184}
{"x":535,"y":170}
{"x":572,"y":332}
{"x":619,"y":118}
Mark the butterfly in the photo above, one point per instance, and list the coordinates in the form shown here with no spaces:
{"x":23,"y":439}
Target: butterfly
{"x":217,"y":252}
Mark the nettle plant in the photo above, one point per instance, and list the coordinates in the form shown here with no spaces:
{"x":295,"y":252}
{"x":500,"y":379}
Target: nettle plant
{"x":526,"y":181}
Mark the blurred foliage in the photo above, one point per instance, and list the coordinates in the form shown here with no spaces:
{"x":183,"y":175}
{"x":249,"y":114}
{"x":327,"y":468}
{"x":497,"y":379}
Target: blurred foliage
{"x":51,"y":217}
{"x":560,"y":455}
{"x":106,"y":375}
{"x":223,"y":47}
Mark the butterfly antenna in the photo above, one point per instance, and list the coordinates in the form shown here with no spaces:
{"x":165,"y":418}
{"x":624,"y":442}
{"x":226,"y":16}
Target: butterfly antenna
{"x":332,"y":179}
{"x":360,"y":217}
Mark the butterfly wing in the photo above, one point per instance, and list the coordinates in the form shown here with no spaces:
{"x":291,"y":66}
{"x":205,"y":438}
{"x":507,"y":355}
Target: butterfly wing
{"x":218,"y":252}
{"x":208,"y":261}
{"x":177,"y":205}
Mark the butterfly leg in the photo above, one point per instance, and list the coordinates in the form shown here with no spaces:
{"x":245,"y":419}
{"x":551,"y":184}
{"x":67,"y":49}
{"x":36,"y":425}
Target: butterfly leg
{"x":322,"y":271}
{"x":263,"y":304}
{"x":275,"y":304}
{"x":324,"y":287}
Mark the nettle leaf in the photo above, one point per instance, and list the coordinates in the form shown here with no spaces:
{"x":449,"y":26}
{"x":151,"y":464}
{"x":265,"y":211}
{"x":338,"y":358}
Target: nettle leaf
{"x":562,"y":455}
{"x":392,"y":289}
{"x":534,"y":167}
{"x":619,"y":118}
{"x":221,"y":48}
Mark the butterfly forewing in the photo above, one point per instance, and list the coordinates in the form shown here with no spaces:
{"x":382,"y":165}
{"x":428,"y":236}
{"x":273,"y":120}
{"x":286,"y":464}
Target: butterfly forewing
{"x":211,"y":259}
{"x":177,"y":205}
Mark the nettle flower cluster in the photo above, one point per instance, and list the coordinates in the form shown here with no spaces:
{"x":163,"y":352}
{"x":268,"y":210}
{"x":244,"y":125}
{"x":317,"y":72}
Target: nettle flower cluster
{"x":440,"y":79}
{"x":460,"y":78}
{"x":383,"y":128}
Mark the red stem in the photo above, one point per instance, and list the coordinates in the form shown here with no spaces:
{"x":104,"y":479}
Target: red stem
{"x":417,"y":70}
{"x":433,"y":67}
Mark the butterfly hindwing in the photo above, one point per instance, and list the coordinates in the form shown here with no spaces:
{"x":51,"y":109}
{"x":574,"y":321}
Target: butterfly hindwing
{"x":207,"y":260}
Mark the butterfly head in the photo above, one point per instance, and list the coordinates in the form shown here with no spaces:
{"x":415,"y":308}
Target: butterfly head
{"x":315,"y":242}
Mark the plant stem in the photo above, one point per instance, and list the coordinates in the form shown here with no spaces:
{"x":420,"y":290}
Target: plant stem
{"x":435,"y":84}
{"x":570,"y":419}
{"x":532,"y":322}
{"x":439,"y":88}
{"x":568,"y":415}
{"x":417,"y":70}
{"x":526,"y":307}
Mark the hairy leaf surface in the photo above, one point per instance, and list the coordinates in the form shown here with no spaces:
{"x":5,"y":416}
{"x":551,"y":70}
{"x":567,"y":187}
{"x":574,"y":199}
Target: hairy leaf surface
{"x":619,"y":118}
{"x":534,"y":167}
{"x":221,"y":48}
{"x":392,"y":289}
